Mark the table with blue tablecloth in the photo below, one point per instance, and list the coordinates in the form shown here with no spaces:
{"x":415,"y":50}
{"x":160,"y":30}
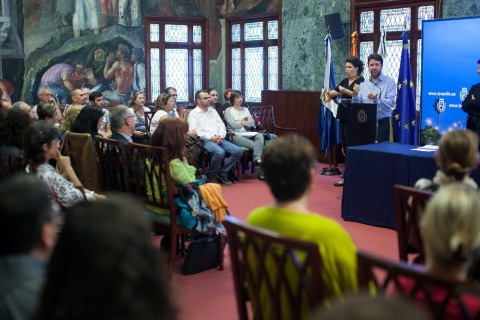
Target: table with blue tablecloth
{"x":372,"y":170}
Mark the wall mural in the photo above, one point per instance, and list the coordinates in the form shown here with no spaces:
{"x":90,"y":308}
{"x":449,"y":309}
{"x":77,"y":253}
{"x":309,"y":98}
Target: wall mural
{"x":100,"y":43}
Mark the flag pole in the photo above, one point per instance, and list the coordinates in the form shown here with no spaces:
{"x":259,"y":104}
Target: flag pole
{"x":332,"y":169}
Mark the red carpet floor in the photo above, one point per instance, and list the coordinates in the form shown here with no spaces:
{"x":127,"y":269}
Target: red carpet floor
{"x":210,"y":294}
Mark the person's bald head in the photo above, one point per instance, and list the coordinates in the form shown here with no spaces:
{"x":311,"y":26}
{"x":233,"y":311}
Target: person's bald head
{"x":22,"y":106}
{"x":78,"y":96}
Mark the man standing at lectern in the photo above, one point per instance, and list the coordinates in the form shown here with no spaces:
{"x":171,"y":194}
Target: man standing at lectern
{"x":379,"y":89}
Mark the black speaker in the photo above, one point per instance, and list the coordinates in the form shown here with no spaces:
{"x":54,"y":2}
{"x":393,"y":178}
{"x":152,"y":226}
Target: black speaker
{"x":333,"y":22}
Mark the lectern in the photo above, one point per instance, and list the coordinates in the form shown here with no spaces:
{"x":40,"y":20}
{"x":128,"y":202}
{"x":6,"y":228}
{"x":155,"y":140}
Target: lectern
{"x":362,"y":121}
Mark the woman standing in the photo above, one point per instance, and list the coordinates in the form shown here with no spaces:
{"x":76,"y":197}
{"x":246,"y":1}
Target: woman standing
{"x":353,"y":70}
{"x":238,"y":118}
{"x":136,"y":103}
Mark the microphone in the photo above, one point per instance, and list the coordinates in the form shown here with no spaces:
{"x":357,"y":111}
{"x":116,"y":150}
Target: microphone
{"x":379,"y":96}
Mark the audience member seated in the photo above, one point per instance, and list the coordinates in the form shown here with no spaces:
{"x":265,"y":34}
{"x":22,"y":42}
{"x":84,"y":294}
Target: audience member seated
{"x":45,"y":95}
{"x":214,"y":101}
{"x":451,"y":231}
{"x":104,"y":266}
{"x":71,"y":112}
{"x":22,"y":106}
{"x":41,"y":144}
{"x":211,"y":130}
{"x":5,"y":104}
{"x":137,"y":105}
{"x":164,"y":108}
{"x":89,"y":121}
{"x":456,"y":157}
{"x":27,"y":235}
{"x":12,"y":129}
{"x":49,"y":112}
{"x":366,"y":307}
{"x":170,"y":134}
{"x":123,"y":126}
{"x":96,"y":100}
{"x":239,"y":119}
{"x":226,"y":97}
{"x":289,"y":168}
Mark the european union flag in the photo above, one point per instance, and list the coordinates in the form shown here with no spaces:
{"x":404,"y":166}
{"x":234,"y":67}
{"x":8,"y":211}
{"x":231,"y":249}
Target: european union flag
{"x":328,"y":126}
{"x":404,"y":122}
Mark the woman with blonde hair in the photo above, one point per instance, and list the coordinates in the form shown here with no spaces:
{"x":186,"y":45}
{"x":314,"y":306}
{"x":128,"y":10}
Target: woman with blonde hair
{"x":136,"y":104}
{"x":457,"y":155}
{"x":451,"y":228}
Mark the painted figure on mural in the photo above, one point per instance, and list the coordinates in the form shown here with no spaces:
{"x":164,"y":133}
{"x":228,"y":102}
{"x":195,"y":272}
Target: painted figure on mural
{"x":86,"y":16}
{"x":64,"y":8}
{"x":108,"y":12}
{"x":139,"y":70}
{"x":229,"y":8}
{"x":121,"y":70}
{"x":61,"y":78}
{"x":129,"y":13}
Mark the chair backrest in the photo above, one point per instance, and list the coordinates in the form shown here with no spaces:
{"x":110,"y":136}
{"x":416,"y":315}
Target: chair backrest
{"x":79,"y":147}
{"x":112,"y":159}
{"x":409,"y":206}
{"x":11,"y":165}
{"x":148,"y":120}
{"x":151,"y":169}
{"x":280,"y":276}
{"x":442,"y":299}
{"x":266,"y":116}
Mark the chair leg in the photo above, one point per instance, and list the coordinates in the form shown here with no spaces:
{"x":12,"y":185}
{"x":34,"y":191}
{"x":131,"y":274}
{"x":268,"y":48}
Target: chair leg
{"x":172,"y":254}
{"x":221,"y":249}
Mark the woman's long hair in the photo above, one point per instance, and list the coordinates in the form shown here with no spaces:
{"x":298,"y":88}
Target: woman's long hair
{"x":104,"y":266}
{"x":170,"y":134}
{"x":87,"y":121}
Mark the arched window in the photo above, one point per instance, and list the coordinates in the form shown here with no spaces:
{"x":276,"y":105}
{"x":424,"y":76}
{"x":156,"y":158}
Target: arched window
{"x":370,"y":18}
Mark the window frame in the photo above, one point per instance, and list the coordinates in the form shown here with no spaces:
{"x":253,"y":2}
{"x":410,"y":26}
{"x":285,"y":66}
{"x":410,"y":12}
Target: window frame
{"x":242,"y":45}
{"x":414,"y":34}
{"x":189,"y":45}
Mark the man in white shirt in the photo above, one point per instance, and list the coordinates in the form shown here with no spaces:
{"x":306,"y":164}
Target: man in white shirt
{"x":211,"y":129}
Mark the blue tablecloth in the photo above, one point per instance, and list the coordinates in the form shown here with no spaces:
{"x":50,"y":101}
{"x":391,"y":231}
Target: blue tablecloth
{"x":370,"y":173}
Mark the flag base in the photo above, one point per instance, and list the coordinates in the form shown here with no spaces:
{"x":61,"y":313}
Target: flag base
{"x":330,"y":171}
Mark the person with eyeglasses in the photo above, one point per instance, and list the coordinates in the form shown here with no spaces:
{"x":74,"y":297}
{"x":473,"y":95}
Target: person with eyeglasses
{"x":41,"y":144}
{"x":211,"y":129}
{"x":123,"y":125}
{"x":173,"y":93}
{"x":46,"y":96}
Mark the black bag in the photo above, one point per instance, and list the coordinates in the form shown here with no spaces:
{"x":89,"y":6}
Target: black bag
{"x":202,"y":254}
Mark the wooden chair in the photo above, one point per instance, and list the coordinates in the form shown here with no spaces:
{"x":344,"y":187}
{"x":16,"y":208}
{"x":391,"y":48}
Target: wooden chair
{"x":441,"y":298}
{"x":113,"y":162}
{"x":152,"y":171}
{"x":281,"y":277}
{"x":266,"y":116}
{"x":12,"y":166}
{"x":79,"y":147}
{"x":409,"y":205}
{"x":148,"y":120}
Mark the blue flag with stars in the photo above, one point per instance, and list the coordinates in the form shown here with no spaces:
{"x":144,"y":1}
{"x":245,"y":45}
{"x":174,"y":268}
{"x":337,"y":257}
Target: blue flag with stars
{"x":404,"y":121}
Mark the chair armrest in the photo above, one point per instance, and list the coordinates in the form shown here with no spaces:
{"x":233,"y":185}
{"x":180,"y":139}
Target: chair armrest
{"x":283,"y":128}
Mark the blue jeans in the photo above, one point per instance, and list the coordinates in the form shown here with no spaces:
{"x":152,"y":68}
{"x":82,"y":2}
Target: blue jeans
{"x":217,"y":153}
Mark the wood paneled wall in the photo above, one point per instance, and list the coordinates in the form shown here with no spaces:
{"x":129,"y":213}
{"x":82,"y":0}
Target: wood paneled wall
{"x":299,"y":109}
